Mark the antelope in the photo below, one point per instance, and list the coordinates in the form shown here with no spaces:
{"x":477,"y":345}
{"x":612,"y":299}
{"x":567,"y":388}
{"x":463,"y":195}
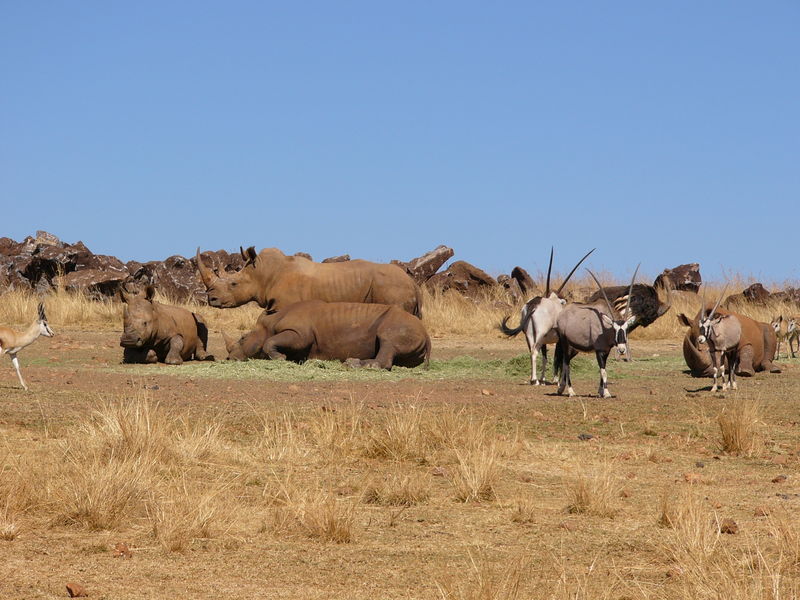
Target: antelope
{"x":793,"y":334}
{"x":538,"y":320}
{"x":781,"y":332}
{"x":596,"y":327}
{"x":11,"y":342}
{"x":722,"y":336}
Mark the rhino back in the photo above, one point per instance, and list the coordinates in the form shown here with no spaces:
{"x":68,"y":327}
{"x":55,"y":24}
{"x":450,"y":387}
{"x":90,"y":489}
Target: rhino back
{"x":172,"y":321}
{"x":349,"y":281}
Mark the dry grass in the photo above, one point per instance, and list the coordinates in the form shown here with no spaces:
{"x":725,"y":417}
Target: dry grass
{"x":485,"y":580}
{"x":406,"y":489}
{"x":594,"y":492}
{"x":476,"y":475}
{"x":739,"y":426}
{"x":444,"y":312}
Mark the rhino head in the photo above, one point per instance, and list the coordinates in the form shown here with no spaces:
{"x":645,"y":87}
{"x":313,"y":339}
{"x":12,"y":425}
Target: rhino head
{"x":139,"y":318}
{"x":248,"y":346}
{"x":234,"y":289}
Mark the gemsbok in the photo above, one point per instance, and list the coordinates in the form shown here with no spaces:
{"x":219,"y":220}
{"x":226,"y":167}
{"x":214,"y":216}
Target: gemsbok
{"x":594,"y":327}
{"x":538,"y":320}
{"x":722,"y":334}
{"x":793,"y":334}
{"x":781,"y":329}
{"x":11,"y":342}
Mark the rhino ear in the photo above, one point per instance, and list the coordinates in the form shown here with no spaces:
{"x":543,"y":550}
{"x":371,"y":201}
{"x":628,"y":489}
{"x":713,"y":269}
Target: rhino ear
{"x":150,"y":292}
{"x":251,"y":254}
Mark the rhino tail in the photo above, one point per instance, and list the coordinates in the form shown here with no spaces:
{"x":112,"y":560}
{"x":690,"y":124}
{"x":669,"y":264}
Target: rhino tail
{"x":418,"y":302}
{"x":699,"y":363}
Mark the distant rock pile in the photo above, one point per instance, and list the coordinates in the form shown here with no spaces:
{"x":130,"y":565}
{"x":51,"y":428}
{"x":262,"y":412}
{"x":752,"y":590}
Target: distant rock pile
{"x":44,"y":262}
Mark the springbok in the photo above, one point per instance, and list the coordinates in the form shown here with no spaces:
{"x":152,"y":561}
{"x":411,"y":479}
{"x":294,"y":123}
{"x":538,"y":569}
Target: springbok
{"x":722,"y":334}
{"x":11,"y":342}
{"x":538,"y":320}
{"x":781,"y":329}
{"x":595,"y":327}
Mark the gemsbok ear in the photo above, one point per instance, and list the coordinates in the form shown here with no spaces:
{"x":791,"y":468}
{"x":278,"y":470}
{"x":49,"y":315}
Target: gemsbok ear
{"x":684,"y":320}
{"x":607,"y":321}
{"x":149,"y":292}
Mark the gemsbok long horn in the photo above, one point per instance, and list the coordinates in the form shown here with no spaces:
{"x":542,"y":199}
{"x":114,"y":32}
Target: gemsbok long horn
{"x":716,"y":306}
{"x":608,"y":302}
{"x":549,"y":268}
{"x":575,"y":268}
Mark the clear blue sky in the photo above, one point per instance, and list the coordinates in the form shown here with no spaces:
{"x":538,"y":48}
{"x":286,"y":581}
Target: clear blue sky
{"x":660,"y":132}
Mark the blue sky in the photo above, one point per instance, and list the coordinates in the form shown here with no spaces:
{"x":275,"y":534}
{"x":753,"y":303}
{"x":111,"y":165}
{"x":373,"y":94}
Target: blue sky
{"x":657,"y":132}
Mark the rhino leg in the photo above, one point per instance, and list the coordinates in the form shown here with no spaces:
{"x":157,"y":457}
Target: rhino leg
{"x":174,"y":354}
{"x":201,"y":353}
{"x":285,"y":340}
{"x":138,"y":356}
{"x":746,"y":368}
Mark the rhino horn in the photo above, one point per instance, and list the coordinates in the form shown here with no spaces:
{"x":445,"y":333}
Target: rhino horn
{"x":206,"y":274}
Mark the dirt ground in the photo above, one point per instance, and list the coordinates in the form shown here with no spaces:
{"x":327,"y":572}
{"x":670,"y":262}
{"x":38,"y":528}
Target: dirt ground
{"x":657,"y":437}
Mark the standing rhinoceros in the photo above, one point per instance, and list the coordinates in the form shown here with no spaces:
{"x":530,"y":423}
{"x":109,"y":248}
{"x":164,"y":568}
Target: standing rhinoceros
{"x":275,"y":281}
{"x":155,"y":332}
{"x":368,"y":334}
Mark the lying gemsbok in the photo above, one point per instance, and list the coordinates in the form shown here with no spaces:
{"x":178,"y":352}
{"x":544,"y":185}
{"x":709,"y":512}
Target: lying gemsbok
{"x":11,"y":342}
{"x":538,"y":319}
{"x":596,"y":327}
{"x":722,"y":334}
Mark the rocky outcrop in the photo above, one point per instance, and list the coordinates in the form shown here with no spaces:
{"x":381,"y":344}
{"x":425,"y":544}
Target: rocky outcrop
{"x":462,"y":277}
{"x":424,"y":267}
{"x":683,"y":277}
{"x":335,"y":259}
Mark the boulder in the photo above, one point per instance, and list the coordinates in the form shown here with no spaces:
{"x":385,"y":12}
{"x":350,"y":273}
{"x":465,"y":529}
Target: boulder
{"x":335,"y":259}
{"x":511,"y":286}
{"x":304,"y":255}
{"x":424,"y":267}
{"x":683,"y":277}
{"x":176,"y":278}
{"x":462,"y":277}
{"x":524,"y":280}
{"x":95,"y":283}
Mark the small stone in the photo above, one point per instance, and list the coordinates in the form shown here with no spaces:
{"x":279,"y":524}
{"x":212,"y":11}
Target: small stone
{"x":674,"y":572}
{"x":625,"y":494}
{"x":76,"y":590}
{"x":779,"y":479}
{"x":438,"y":471}
{"x":585,"y":437}
{"x":486,"y":393}
{"x":121,"y":550}
{"x":761,"y":511}
{"x":526,"y":478}
{"x":699,"y":464}
{"x":692,"y":478}
{"x":537,"y":415}
{"x":781,"y":459}
{"x":728,"y":526}
{"x":567,"y":526}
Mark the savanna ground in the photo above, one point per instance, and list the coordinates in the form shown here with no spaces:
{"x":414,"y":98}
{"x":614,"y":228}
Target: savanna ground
{"x":462,"y":481}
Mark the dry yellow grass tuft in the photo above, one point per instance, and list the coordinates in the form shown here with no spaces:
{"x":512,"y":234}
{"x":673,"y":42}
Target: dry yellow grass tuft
{"x":476,"y":475}
{"x":739,"y":425}
{"x":594,"y":492}
{"x":485,"y":580}
{"x":405,"y":489}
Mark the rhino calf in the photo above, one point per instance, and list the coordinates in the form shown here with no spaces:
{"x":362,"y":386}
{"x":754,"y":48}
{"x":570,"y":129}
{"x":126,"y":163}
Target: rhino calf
{"x":155,"y":332}
{"x":372,"y":335}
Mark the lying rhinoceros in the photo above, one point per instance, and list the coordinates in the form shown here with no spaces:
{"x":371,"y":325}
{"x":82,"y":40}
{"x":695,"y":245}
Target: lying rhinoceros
{"x":363,"y":334}
{"x":156,"y":332}
{"x":756,"y":347}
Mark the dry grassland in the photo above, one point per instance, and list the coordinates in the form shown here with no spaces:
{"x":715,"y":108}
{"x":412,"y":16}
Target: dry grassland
{"x":439,"y":487}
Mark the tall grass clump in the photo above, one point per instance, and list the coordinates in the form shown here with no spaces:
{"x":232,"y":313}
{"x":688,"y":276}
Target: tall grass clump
{"x":739,"y":425}
{"x":594,"y":492}
{"x":485,"y":580}
{"x":476,"y":474}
